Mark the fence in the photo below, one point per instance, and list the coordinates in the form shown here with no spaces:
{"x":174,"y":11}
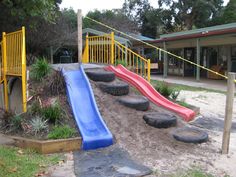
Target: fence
{"x":105,"y":49}
{"x":13,"y":62}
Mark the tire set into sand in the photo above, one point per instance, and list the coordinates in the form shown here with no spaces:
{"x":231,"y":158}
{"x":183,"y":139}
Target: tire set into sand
{"x":119,"y":88}
{"x":141,"y":103}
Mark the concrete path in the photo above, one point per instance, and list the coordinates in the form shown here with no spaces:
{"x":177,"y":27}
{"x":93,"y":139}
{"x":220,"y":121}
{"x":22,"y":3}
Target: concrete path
{"x":220,"y":85}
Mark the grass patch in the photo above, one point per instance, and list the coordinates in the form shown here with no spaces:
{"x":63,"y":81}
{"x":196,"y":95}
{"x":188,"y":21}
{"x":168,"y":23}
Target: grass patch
{"x":52,"y":113}
{"x":184,"y":104}
{"x":193,"y":173}
{"x":15,"y":162}
{"x":61,"y":132}
{"x":188,"y":88}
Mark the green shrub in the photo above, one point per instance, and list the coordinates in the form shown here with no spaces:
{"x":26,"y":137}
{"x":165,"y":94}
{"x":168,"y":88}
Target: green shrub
{"x":174,"y":95}
{"x":121,"y":62}
{"x":40,"y":69}
{"x":35,"y":108}
{"x":38,"y":124}
{"x":16,"y":121}
{"x":164,"y":89}
{"x":52,"y":113}
{"x":61,"y":132}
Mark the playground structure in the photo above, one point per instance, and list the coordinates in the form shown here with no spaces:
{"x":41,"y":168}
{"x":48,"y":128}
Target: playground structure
{"x":13,"y":65}
{"x":106,"y":50}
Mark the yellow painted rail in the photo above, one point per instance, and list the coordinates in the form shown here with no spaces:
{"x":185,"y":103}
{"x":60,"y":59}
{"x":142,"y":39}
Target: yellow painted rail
{"x":1,"y":63}
{"x":13,"y":63}
{"x":106,"y":50}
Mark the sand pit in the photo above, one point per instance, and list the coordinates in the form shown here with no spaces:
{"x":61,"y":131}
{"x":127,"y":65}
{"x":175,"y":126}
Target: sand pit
{"x":156,"y":148}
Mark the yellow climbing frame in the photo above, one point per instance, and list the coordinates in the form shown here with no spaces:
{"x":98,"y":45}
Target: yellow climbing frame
{"x":106,"y":50}
{"x":13,"y":63}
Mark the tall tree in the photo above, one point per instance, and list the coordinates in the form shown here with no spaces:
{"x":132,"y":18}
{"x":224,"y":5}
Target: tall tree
{"x":229,"y":13}
{"x":113,"y":18}
{"x":188,"y":14}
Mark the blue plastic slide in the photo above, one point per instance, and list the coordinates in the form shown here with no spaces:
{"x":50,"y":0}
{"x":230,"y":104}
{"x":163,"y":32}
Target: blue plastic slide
{"x":93,"y":130}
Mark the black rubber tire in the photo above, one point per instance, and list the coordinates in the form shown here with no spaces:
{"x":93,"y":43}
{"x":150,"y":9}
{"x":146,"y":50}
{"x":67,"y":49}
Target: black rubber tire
{"x":140,"y":103}
{"x":190,"y":135}
{"x":115,"y":89}
{"x":160,"y":120}
{"x":102,"y":76}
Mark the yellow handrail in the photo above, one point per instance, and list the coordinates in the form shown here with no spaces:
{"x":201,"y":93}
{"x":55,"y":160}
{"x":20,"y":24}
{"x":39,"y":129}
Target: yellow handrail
{"x":105,"y":49}
{"x":132,"y":60}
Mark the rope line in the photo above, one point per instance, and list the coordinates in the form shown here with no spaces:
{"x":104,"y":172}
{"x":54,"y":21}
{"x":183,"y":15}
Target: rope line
{"x":157,"y":48}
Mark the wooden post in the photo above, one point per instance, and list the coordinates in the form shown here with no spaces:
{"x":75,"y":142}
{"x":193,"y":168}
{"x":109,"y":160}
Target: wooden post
{"x":80,"y":39}
{"x":228,"y":113}
{"x":165,"y":61}
{"x":198,"y":60}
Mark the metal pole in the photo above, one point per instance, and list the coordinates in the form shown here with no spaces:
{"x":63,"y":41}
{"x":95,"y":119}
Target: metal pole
{"x":228,"y":113}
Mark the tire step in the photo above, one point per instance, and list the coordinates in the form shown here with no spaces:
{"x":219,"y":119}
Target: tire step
{"x":115,"y":89}
{"x":160,"y":120}
{"x":101,"y":76}
{"x":140,"y":103}
{"x":190,"y":135}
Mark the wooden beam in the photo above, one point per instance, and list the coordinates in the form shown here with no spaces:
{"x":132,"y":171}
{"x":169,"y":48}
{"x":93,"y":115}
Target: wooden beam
{"x":198,"y":60}
{"x":228,"y":113}
{"x":165,"y":61}
{"x":79,"y":21}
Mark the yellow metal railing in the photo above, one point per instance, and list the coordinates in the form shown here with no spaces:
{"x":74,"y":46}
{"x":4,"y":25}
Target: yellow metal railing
{"x":131,"y":60}
{"x":1,"y":63}
{"x":13,"y":62}
{"x":104,"y":49}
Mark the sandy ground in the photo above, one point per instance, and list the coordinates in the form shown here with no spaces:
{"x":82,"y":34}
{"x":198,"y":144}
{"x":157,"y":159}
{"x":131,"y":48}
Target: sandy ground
{"x":156,"y":148}
{"x":212,"y":106}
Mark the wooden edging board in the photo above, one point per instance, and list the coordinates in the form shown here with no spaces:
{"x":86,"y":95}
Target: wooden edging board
{"x":48,"y":146}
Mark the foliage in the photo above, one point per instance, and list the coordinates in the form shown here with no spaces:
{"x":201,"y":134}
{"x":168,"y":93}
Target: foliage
{"x":40,"y":69}
{"x":229,"y":15}
{"x":53,"y":113}
{"x":16,"y":121}
{"x":57,"y":83}
{"x":164,"y":89}
{"x":174,"y":95}
{"x":121,"y":62}
{"x":38,"y":124}
{"x":184,"y":104}
{"x":61,"y":132}
{"x":167,"y":91}
{"x":16,"y":162}
{"x":195,"y":172}
{"x":35,"y":108}
{"x":189,"y":14}
{"x":31,"y":8}
{"x":70,"y":16}
{"x":115,"y":18}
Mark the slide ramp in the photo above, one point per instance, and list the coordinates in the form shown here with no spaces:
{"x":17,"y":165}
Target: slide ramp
{"x":150,"y":92}
{"x":93,"y":129}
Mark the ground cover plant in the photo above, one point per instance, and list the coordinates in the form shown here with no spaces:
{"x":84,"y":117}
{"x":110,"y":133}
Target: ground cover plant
{"x":48,"y":108}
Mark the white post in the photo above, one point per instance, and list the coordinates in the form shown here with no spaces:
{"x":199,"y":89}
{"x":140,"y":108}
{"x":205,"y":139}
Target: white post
{"x":80,"y":39}
{"x":228,"y":113}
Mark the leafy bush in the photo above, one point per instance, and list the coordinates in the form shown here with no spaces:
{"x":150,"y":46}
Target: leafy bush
{"x":121,"y":62}
{"x":164,"y":89}
{"x":40,"y":69}
{"x":38,"y":124}
{"x":16,"y":121}
{"x":167,"y":91}
{"x":35,"y":108}
{"x":53,"y":113}
{"x":61,"y":132}
{"x":174,"y":95}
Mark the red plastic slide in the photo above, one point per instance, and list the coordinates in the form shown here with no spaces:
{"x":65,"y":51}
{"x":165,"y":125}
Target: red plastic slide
{"x":147,"y":90}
